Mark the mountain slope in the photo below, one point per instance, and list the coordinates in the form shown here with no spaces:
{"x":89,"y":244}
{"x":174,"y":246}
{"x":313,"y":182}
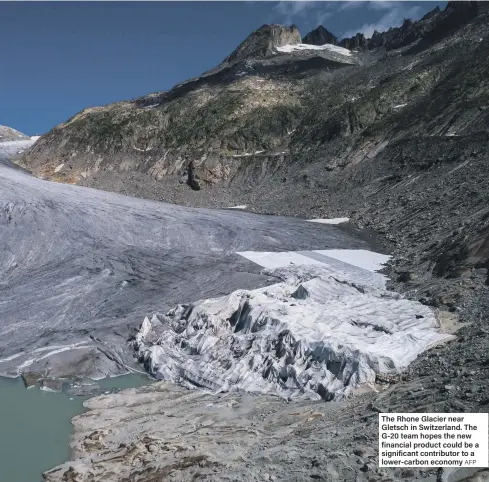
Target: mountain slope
{"x":393,"y":135}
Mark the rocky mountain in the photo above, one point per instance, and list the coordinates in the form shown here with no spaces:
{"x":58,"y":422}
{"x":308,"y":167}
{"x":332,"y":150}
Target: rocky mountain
{"x":432,"y":27}
{"x":8,"y":134}
{"x":320,"y":36}
{"x":391,"y":131}
{"x":263,"y":41}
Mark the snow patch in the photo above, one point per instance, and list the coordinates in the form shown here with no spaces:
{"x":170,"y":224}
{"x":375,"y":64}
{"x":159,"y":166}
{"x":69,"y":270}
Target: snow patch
{"x":241,"y":206}
{"x":58,"y":168}
{"x":299,"y":47}
{"x":329,"y":221}
{"x":400,"y":106}
{"x":319,"y":334}
{"x":142,"y":150}
{"x":151,"y":106}
{"x":35,"y":138}
{"x":246,"y":154}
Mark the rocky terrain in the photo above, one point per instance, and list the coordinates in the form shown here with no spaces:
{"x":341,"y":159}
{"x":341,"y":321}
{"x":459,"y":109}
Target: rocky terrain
{"x":392,"y":132}
{"x":165,"y":432}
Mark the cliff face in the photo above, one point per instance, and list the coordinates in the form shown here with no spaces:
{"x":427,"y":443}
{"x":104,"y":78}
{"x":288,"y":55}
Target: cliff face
{"x":263,"y":41}
{"x":392,"y":135}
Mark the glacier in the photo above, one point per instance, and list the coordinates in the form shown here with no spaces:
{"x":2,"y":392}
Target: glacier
{"x":332,"y":48}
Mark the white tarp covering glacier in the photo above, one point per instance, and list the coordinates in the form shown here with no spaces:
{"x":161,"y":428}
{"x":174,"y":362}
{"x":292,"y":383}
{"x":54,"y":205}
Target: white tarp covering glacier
{"x":329,"y":221}
{"x":320,"y":333}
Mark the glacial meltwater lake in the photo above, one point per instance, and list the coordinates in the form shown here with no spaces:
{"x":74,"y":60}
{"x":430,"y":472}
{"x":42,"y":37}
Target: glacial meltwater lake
{"x":35,"y":426}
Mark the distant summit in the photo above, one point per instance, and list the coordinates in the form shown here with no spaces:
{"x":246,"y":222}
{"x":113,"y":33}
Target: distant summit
{"x":435,"y":25}
{"x":9,"y":134}
{"x":263,"y":40}
{"x":320,"y":36}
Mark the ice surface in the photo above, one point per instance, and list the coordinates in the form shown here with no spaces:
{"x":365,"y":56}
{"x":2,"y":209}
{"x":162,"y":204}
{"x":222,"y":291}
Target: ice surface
{"x":320,"y":333}
{"x":9,"y":149}
{"x":332,"y":48}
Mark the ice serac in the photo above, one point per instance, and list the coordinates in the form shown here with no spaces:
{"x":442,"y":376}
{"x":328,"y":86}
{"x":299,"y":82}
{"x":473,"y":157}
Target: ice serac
{"x":320,"y":333}
{"x":263,"y":40}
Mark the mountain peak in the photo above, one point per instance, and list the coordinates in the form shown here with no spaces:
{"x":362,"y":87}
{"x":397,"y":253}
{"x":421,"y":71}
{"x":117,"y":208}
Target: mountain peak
{"x":320,"y":36}
{"x":9,"y":134}
{"x":263,"y":40}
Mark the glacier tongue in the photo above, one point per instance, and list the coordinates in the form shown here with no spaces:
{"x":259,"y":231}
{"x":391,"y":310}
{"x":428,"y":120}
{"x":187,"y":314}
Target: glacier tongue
{"x":318,"y":334}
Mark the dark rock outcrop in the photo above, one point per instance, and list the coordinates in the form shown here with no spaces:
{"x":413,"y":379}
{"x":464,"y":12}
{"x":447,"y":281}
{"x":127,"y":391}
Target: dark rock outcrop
{"x":357,"y":42}
{"x":191,"y":181}
{"x":434,"y":26}
{"x":320,"y":36}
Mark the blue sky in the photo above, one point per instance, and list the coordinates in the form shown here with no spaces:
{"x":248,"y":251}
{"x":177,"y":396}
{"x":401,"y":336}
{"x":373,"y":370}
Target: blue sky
{"x":57,"y":58}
